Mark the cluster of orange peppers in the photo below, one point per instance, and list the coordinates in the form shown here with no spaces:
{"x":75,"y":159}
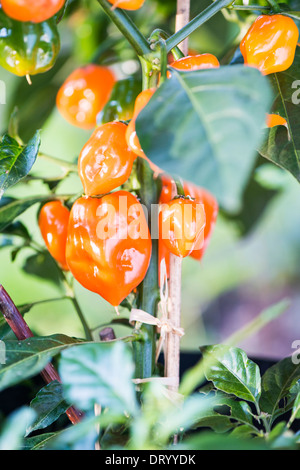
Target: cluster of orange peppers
{"x":114,"y":265}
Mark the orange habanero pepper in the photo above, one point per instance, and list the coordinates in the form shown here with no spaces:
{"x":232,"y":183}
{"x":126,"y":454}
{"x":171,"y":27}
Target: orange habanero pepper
{"x":181,"y":225}
{"x":127,"y":4}
{"x":270,"y":43}
{"x":275,"y":120}
{"x":53,"y":224}
{"x":34,"y":11}
{"x":105,"y":162}
{"x":84,"y":93}
{"x":211,"y":208}
{"x":109,"y":244}
{"x":196,"y":62}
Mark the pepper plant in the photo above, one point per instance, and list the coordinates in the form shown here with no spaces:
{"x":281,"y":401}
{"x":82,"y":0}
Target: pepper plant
{"x":182,"y":131}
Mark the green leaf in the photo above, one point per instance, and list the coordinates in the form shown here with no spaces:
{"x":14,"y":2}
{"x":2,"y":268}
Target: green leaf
{"x":14,"y":429}
{"x":42,"y":265}
{"x":276,"y":384}
{"x":16,"y":160}
{"x":27,"y":358}
{"x":226,"y":413}
{"x":38,"y":442}
{"x":49,"y":405}
{"x":296,"y":409}
{"x":281,"y":145}
{"x":231,"y":371}
{"x":205,"y":125}
{"x":10,"y":211}
{"x":99,"y":373}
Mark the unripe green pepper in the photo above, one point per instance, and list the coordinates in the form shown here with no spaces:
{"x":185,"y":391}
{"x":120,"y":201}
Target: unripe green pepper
{"x":28,"y":48}
{"x":121,"y":103}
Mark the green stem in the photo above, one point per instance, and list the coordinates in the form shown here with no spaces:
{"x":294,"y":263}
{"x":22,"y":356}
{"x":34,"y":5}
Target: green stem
{"x":249,"y":7}
{"x":194,"y":24}
{"x":85,"y":326}
{"x":127,"y":28}
{"x":71,"y":295}
{"x":148,"y":293}
{"x":274,"y":5}
{"x":62,"y":163}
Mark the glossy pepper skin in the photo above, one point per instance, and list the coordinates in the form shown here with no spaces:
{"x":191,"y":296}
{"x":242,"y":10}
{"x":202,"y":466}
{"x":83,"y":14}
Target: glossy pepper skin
{"x":270,"y":43}
{"x":127,"y":4}
{"x":53,"y":224}
{"x":109,"y":244}
{"x":196,"y":62}
{"x":83,"y":95}
{"x":35,"y":11}
{"x":27,"y":48}
{"x":181,"y":225}
{"x":131,"y":136}
{"x":105,"y":162}
{"x":275,"y":120}
{"x":211,"y":209}
{"x":121,"y":103}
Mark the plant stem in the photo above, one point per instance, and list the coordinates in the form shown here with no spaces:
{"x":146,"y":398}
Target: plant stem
{"x":148,"y":294}
{"x":22,"y":331}
{"x":85,"y":326}
{"x":194,"y":24}
{"x":249,"y":7}
{"x":274,"y":5}
{"x":62,"y":163}
{"x":127,"y":28}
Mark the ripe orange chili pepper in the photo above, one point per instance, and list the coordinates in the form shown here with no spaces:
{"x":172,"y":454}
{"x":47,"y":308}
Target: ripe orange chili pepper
{"x":181,"y":225}
{"x":275,"y":120}
{"x":211,"y":208}
{"x":34,"y":11}
{"x":84,"y":94}
{"x":127,"y":4}
{"x":270,"y":43}
{"x":132,"y":139}
{"x":53,"y":224}
{"x":196,"y":62}
{"x":105,"y":162}
{"x":131,"y":136}
{"x":211,"y":212}
{"x":109,"y":244}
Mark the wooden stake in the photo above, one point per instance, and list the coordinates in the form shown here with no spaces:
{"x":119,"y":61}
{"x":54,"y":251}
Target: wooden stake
{"x":182,"y":19}
{"x":172,"y":347}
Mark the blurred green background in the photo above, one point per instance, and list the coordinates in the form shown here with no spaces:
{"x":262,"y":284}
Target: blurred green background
{"x":254,"y":257}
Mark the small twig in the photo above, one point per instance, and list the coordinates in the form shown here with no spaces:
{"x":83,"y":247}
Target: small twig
{"x":22,"y":331}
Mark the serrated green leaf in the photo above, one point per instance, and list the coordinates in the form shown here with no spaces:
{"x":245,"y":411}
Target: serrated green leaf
{"x":49,"y":404}
{"x":231,"y":371}
{"x":27,"y":358}
{"x":276,"y":384}
{"x":204,"y":126}
{"x":99,"y":373}
{"x":16,"y":160}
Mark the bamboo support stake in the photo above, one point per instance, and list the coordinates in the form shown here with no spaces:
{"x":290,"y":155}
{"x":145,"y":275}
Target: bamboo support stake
{"x":182,"y":19}
{"x":172,"y":348}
